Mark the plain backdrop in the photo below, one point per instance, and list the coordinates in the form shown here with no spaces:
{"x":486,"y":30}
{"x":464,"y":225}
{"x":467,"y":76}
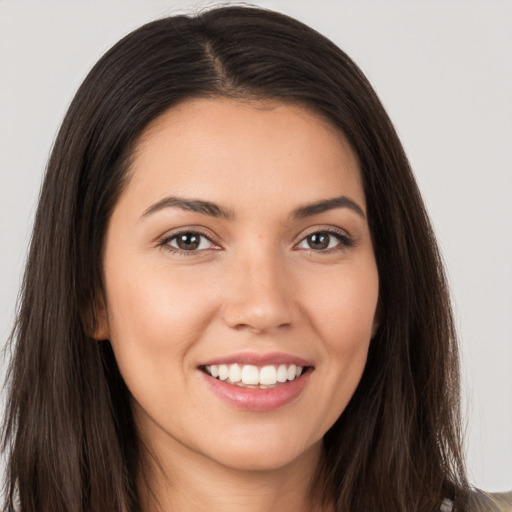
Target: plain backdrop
{"x":443,"y":69}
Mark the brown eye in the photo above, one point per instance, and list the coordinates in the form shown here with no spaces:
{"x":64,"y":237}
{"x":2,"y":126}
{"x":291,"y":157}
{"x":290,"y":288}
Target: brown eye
{"x":318,"y":241}
{"x":326,"y":241}
{"x":188,"y":241}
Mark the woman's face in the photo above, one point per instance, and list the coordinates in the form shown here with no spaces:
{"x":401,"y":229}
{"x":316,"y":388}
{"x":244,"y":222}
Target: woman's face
{"x":240,"y":249}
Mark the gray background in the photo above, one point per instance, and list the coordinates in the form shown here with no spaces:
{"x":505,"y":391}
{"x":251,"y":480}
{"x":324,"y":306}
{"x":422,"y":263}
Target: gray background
{"x":443,"y":69}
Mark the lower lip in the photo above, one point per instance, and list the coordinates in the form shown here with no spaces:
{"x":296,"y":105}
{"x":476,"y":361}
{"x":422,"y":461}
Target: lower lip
{"x":251,"y":399}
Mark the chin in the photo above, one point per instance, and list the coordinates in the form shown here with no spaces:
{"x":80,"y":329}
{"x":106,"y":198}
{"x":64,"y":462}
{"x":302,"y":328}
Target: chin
{"x":264,"y":453}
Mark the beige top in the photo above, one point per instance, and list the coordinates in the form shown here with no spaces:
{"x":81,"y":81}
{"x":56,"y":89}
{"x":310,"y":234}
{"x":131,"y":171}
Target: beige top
{"x":503,"y":500}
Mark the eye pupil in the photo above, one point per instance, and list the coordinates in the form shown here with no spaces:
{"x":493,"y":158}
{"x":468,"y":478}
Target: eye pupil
{"x":188,"y":241}
{"x":318,"y":241}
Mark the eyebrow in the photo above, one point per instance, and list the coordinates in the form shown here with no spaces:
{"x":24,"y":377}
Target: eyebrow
{"x":326,"y":205}
{"x":214,"y":210}
{"x":193,"y":205}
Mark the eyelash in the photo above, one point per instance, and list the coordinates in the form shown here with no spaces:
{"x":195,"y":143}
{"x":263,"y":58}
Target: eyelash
{"x":164,"y":243}
{"x":345,"y":241}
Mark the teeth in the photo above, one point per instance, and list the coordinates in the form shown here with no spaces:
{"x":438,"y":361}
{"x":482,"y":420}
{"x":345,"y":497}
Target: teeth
{"x":250,"y":375}
{"x":235,"y":374}
{"x":223,"y":372}
{"x":291,"y":372}
{"x":282,"y":373}
{"x":268,"y":375}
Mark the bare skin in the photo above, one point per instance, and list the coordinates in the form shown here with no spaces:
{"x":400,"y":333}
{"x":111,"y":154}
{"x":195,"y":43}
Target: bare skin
{"x":240,"y":240}
{"x":204,"y":487}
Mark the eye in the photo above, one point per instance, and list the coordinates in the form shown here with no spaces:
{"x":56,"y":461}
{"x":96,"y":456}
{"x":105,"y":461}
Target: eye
{"x":188,"y":242}
{"x":326,"y":241}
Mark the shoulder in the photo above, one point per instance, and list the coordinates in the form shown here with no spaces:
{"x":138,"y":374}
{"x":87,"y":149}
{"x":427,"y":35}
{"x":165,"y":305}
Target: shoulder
{"x":503,"y":500}
{"x":496,"y":501}
{"x":481,"y":501}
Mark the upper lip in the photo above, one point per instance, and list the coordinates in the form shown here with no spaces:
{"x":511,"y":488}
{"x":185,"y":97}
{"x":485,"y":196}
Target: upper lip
{"x":257,"y":359}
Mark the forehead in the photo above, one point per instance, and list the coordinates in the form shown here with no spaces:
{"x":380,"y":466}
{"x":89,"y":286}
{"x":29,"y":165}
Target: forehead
{"x":251,"y":149}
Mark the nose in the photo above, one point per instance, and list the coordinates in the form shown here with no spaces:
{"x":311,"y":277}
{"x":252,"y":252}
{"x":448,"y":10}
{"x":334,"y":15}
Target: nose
{"x":259,"y":296}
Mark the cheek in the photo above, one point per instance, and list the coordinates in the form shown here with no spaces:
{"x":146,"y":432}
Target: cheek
{"x":154,"y":318}
{"x":342,"y":306}
{"x":342,"y":309}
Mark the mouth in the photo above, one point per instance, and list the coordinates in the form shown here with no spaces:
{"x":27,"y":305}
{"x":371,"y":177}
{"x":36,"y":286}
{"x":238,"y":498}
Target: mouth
{"x":255,"y":377}
{"x":257,"y":382}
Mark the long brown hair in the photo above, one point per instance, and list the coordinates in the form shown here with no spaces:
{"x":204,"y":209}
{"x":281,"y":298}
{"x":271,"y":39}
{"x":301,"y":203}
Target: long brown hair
{"x":69,"y":430}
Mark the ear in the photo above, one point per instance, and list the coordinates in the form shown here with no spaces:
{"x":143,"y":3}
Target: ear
{"x":100,"y":328}
{"x":376,"y":320}
{"x":375,"y":327}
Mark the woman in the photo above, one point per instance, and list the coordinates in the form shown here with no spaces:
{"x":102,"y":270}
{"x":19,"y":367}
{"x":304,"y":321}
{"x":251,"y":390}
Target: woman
{"x":233,"y":297}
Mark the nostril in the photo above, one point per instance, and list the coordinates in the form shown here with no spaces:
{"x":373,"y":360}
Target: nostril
{"x":259,"y":304}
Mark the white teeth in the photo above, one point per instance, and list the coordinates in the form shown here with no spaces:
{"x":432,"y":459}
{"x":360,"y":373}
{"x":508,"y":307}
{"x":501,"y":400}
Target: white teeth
{"x":268,"y":375}
{"x":250,"y":375}
{"x":282,"y":373}
{"x":291,"y":372}
{"x":235,"y":374}
{"x":223,"y":372}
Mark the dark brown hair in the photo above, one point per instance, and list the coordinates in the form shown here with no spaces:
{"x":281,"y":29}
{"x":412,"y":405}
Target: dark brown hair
{"x":68,"y":429}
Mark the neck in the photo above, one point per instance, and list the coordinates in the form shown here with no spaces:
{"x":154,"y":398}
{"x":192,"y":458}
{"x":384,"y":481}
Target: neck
{"x":199,"y":484}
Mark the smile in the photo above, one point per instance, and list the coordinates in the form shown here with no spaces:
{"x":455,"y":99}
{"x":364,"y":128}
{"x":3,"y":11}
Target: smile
{"x":248,"y":375}
{"x":256,"y":382}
